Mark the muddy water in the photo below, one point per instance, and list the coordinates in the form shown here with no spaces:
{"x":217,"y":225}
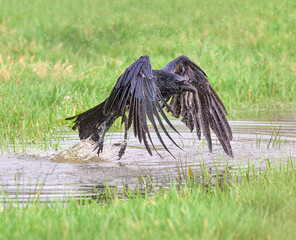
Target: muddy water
{"x":76,"y":170}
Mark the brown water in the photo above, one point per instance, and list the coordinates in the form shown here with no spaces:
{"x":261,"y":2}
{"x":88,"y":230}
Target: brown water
{"x":77,"y":171}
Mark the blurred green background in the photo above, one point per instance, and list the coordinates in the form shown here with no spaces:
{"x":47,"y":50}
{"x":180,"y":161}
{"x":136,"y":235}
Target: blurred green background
{"x":58,"y":58}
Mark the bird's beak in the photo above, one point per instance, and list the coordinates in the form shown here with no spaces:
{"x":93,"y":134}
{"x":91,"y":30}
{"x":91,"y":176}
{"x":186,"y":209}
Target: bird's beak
{"x":186,"y":86}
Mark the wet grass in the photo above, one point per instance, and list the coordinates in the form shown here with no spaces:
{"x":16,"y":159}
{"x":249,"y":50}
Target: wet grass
{"x":58,"y":58}
{"x":62,"y":57}
{"x":248,"y":204}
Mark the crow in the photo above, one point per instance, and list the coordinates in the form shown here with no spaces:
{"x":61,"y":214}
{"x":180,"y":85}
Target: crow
{"x":181,"y":87}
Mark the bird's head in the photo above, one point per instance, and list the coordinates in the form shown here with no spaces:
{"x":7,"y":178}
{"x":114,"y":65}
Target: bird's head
{"x":170,"y":83}
{"x":181,"y":84}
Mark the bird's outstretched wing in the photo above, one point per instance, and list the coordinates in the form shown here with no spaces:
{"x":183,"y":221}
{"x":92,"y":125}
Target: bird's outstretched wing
{"x":137,"y":93}
{"x":201,"y":110}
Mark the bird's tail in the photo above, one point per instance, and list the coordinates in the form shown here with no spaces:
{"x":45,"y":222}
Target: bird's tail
{"x":88,"y":122}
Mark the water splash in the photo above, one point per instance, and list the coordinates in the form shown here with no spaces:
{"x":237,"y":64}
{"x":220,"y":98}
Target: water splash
{"x":84,"y":152}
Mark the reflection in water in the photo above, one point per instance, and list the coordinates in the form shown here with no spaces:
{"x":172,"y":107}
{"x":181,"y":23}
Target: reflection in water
{"x":76,"y":170}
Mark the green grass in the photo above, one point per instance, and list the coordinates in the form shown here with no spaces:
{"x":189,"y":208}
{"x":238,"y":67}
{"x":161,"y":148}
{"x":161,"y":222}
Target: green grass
{"x":257,"y":206}
{"x":58,"y":58}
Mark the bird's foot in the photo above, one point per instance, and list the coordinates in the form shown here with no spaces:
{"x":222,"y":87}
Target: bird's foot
{"x":121,"y":153}
{"x":99,"y":146}
{"x":122,"y":149}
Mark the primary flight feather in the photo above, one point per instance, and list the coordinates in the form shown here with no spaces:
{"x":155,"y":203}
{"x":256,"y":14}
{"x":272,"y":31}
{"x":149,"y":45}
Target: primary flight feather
{"x":181,"y":87}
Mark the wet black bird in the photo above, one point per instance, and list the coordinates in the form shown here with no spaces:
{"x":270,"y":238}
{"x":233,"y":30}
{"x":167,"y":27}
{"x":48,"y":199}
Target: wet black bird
{"x":181,"y":87}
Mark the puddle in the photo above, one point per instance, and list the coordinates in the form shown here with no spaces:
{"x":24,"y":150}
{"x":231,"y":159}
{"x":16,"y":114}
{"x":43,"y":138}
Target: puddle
{"x":76,"y":170}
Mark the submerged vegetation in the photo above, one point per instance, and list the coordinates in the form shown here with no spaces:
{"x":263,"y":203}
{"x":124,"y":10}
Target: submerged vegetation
{"x":58,"y":58}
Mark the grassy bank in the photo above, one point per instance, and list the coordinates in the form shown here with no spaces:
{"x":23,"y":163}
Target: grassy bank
{"x":259,"y":207}
{"x":58,"y":58}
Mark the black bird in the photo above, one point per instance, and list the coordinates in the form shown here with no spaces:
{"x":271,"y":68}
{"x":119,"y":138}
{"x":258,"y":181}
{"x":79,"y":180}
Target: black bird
{"x":181,"y":87}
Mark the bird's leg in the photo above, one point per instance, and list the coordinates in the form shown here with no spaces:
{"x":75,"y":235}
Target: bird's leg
{"x":101,"y":136}
{"x":102,"y":131}
{"x":124,"y":143}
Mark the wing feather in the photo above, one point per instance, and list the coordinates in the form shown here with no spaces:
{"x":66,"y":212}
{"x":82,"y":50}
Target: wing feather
{"x":201,"y":110}
{"x":136,"y":93}
{"x":157,"y":109}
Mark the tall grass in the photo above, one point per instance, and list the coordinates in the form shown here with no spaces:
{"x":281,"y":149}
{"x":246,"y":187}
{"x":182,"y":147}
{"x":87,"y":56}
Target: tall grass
{"x":58,"y":58}
{"x":257,"y":206}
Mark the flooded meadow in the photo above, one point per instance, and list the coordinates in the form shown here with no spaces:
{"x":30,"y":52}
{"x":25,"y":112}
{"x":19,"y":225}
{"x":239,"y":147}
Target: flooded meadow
{"x":76,"y":171}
